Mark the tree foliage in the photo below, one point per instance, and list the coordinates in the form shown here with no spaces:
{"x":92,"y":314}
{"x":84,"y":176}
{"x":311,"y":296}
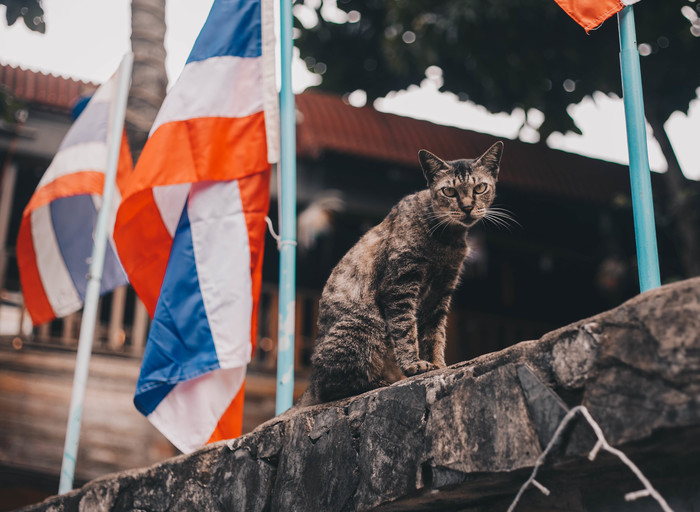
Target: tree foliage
{"x":29,"y":10}
{"x":11,"y":109}
{"x":503,"y":54}
{"x":508,"y":54}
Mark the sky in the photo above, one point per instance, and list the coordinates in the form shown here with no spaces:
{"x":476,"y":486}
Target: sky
{"x":86,"y":39}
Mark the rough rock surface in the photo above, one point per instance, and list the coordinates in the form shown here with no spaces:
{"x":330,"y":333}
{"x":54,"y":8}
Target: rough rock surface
{"x":466,"y":437}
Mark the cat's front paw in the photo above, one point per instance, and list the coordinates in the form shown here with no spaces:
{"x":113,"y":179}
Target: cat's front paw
{"x":419,"y":367}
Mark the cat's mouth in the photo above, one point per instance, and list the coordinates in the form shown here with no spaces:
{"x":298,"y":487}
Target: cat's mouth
{"x":472,"y":217}
{"x":462,"y":218}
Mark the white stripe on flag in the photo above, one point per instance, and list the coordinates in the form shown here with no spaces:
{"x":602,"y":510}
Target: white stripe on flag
{"x":97,"y":201}
{"x":106,"y":92}
{"x":222,"y":255}
{"x":92,"y":126}
{"x":199,"y":92}
{"x":91,"y":156}
{"x":270,"y":95}
{"x":58,"y":285}
{"x":188,"y":415}
{"x":170,"y":201}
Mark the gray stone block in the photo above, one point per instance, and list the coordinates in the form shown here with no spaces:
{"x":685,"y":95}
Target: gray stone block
{"x":466,"y":437}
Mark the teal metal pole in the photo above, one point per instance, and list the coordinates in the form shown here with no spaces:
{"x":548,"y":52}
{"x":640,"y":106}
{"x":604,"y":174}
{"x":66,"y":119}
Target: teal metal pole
{"x":92,"y":292}
{"x":640,"y":176}
{"x":288,"y":218}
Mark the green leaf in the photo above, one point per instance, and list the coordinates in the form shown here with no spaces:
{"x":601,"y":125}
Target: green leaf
{"x":31,"y":12}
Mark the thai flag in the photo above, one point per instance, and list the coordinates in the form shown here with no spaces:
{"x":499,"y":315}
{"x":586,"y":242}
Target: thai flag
{"x":55,"y":238}
{"x":191,"y":227}
{"x":591,"y":13}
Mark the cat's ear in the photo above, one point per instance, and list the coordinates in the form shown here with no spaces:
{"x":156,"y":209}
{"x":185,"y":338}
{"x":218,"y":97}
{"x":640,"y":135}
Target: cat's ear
{"x":431,"y":165}
{"x":491,"y":159}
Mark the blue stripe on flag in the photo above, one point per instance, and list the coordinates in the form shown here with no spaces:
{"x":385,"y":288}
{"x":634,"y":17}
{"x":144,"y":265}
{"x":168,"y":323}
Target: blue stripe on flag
{"x":180,"y":345}
{"x":233,"y":28}
{"x":113,"y":274}
{"x":75,"y":241}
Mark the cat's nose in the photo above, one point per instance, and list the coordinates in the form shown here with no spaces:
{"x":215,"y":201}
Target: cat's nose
{"x":467,"y":208}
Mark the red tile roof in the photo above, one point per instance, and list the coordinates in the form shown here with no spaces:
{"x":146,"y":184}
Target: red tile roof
{"x":328,"y":124}
{"x":50,"y":91}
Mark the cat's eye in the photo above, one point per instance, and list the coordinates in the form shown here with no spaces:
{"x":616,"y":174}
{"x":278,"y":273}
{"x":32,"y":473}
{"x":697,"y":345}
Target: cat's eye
{"x":449,"y":191}
{"x":480,"y":188}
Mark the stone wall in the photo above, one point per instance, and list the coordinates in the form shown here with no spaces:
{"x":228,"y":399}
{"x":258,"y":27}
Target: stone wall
{"x":467,"y":437}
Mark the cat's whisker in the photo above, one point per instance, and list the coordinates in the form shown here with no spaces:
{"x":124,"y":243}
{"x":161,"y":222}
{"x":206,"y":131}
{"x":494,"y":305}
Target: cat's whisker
{"x":499,"y":209}
{"x":445,"y":218}
{"x":502,"y":211}
{"x":500,"y":217}
{"x":433,"y":215}
{"x":497,"y":222}
{"x":505,"y":216}
{"x":507,"y":219}
{"x":443,"y":223}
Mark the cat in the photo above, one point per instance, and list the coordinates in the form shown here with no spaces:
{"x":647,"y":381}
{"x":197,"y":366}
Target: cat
{"x":383,"y":311}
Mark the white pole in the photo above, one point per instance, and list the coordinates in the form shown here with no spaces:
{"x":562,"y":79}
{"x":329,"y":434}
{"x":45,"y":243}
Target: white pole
{"x":9,"y":178}
{"x":92,"y":293}
{"x":288,"y":219}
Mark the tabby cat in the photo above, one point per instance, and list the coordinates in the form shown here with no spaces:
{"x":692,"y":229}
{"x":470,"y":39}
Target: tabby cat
{"x":383,"y":311}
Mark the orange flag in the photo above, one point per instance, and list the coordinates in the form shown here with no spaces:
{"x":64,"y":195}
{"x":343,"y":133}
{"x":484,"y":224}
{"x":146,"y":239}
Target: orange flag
{"x":591,"y":13}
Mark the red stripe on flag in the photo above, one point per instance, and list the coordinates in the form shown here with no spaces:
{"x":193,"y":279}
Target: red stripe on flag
{"x":190,"y":151}
{"x":143,"y":243}
{"x":255,"y":196}
{"x":35,"y":298}
{"x":125,"y":164}
{"x":82,"y":182}
{"x":231,"y":422}
{"x":78,"y":183}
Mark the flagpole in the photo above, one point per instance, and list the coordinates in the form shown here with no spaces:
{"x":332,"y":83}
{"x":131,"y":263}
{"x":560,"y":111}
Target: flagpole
{"x":287,"y":192}
{"x":92,"y":293}
{"x":640,"y":176}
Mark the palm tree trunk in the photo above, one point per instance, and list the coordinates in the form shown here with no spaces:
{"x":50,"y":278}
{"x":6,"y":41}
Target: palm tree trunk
{"x":149,"y":79}
{"x":682,"y":204}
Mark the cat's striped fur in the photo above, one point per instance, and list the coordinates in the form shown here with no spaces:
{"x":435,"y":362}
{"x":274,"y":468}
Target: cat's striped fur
{"x":383,"y":311}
